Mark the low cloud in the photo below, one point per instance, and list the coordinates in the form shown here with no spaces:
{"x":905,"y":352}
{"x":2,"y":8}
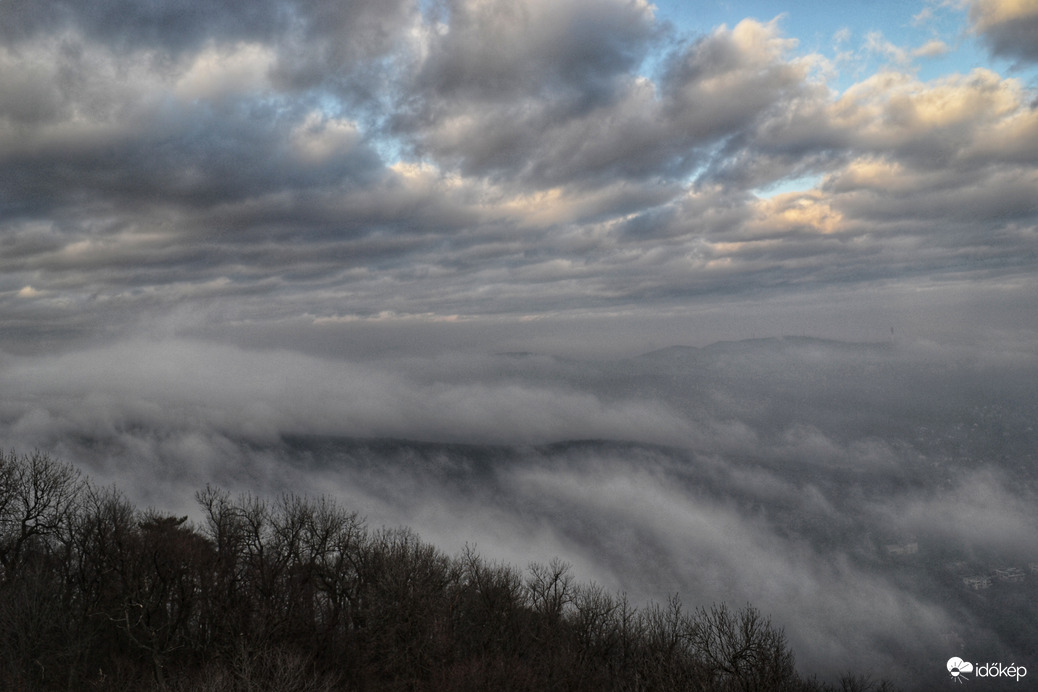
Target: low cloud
{"x":191,"y":386}
{"x":775,"y":472}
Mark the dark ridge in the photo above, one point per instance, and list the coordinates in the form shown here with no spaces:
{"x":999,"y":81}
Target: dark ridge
{"x":781,"y":344}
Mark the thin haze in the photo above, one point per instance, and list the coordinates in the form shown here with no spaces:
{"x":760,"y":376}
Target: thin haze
{"x":447,"y":260}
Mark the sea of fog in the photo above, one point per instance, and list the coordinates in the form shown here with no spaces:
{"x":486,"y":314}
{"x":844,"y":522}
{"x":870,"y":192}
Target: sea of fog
{"x":849,"y":491}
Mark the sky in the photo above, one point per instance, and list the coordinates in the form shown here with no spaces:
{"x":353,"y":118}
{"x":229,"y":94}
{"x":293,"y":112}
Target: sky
{"x":391,"y":177}
{"x":711,"y":298}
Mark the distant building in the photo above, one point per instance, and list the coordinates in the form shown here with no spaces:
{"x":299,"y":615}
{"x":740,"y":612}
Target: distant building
{"x":977,"y":583}
{"x":906,"y":548}
{"x":1009,"y":574}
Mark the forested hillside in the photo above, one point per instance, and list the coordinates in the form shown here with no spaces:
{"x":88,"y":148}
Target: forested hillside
{"x":299,"y":594}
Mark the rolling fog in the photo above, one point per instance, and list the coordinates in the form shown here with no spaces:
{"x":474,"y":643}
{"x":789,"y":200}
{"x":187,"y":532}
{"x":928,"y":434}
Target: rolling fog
{"x":779,"y":472}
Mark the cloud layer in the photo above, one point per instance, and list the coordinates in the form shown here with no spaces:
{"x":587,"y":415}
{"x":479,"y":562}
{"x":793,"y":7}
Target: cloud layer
{"x":774,"y":472}
{"x":300,"y":162}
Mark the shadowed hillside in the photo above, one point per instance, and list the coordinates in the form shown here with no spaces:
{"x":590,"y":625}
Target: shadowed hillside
{"x":299,"y":594}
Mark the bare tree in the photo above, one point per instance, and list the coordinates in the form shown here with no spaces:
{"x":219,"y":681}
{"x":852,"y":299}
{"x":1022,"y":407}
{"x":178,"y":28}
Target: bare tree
{"x":95,"y":542}
{"x":596,"y":637}
{"x":37,"y":495}
{"x":405,"y":590}
{"x":741,"y":651}
{"x":550,"y":588}
{"x":664,"y":659}
{"x":297,"y":594}
{"x":161,"y":589}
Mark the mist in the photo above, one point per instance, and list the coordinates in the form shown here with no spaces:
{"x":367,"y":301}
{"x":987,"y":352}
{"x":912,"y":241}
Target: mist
{"x":781,"y":472}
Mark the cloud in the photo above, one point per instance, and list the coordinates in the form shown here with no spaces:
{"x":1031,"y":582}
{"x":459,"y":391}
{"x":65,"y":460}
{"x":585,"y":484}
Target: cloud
{"x":215,"y":73}
{"x":978,"y":512}
{"x":773,"y":472}
{"x":287,"y":169}
{"x":209,"y":130}
{"x":949,"y":121}
{"x":488,"y":51}
{"x":332,"y":36}
{"x":931,"y":49}
{"x":545,"y":130}
{"x":1008,"y":27}
{"x":877,"y":44}
{"x":206,"y":387}
{"x":833,"y":610}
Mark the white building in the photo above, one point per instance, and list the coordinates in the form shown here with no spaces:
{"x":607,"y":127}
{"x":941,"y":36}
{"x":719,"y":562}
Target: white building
{"x":1010,"y":574}
{"x":908,"y":548}
{"x":976,"y":583}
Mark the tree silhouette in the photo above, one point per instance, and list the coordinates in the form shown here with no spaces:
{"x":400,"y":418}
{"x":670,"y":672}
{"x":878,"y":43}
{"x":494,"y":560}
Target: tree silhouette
{"x":297,"y":594}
